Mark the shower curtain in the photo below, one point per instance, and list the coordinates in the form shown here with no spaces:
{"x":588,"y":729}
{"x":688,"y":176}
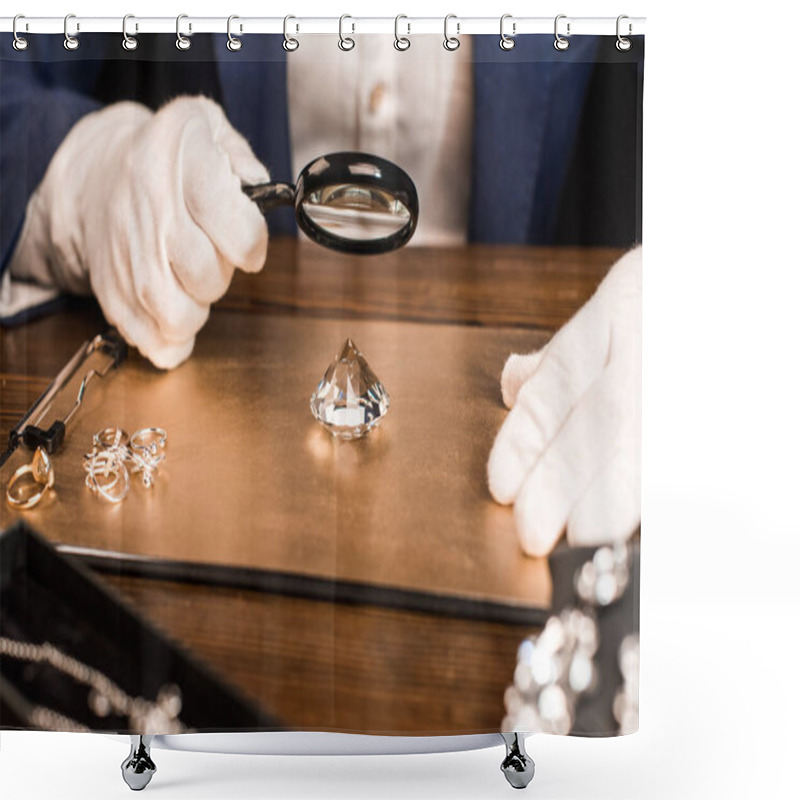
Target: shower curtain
{"x":357,"y":451}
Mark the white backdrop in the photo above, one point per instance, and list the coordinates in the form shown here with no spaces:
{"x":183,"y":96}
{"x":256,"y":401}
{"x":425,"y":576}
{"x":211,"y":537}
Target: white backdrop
{"x":721,"y":545}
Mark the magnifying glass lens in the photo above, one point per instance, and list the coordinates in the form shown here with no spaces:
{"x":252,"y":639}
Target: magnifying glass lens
{"x":353,"y":202}
{"x":355,"y":212}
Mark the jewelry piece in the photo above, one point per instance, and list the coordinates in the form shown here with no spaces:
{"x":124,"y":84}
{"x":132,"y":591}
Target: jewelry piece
{"x":110,"y":438}
{"x":107,"y":473}
{"x":350,"y":400}
{"x":603,"y":580}
{"x":626,"y":701}
{"x":148,"y":450}
{"x":152,"y":441}
{"x":18,"y":490}
{"x":556,"y":667}
{"x":49,"y":720}
{"x":553,"y":670}
{"x":105,"y":697}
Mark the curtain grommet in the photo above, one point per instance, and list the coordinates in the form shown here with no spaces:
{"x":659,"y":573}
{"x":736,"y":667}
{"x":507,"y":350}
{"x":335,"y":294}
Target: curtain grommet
{"x":346,"y":43}
{"x":451,"y":43}
{"x":560,"y":42}
{"x":20,"y":43}
{"x":233,"y":44}
{"x":401,"y":43}
{"x":623,"y":44}
{"x":182,"y":42}
{"x":71,"y":43}
{"x":129,"y":43}
{"x":290,"y":43}
{"x":507,"y":42}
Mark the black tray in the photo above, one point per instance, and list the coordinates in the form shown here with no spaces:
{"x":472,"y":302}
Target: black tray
{"x":49,"y":597}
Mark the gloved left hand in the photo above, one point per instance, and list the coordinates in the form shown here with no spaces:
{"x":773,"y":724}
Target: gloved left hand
{"x":146,"y":211}
{"x":568,"y":454}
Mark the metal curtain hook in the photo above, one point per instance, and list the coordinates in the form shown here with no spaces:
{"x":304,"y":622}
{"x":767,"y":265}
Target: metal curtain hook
{"x":623,"y":44}
{"x":129,"y":42}
{"x":401,"y":42}
{"x":507,"y":42}
{"x":20,"y":42}
{"x":345,"y":42}
{"x":233,"y":44}
{"x":182,"y":43}
{"x":290,"y":44}
{"x":451,"y":42}
{"x":561,"y":43}
{"x":70,"y":42}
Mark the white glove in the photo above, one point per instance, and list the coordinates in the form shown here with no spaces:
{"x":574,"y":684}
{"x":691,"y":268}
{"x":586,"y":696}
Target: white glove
{"x":568,"y":454}
{"x":146,"y":211}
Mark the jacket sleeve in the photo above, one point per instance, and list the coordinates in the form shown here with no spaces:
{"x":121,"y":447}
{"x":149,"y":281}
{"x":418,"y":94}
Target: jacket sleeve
{"x":527,"y":107}
{"x":39,"y":103}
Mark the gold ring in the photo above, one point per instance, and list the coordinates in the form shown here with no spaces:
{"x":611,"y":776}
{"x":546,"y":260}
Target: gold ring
{"x":41,"y":469}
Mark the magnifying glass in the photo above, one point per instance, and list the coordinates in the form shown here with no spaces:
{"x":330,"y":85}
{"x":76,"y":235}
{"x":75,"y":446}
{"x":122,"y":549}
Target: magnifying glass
{"x":353,"y":202}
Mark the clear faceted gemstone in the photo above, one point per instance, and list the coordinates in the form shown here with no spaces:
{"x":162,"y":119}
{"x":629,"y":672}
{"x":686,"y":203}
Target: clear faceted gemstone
{"x":350,"y":400}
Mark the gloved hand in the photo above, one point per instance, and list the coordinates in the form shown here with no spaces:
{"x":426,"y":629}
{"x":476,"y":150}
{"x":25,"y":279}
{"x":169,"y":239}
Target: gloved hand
{"x":146,"y":210}
{"x":568,"y":454}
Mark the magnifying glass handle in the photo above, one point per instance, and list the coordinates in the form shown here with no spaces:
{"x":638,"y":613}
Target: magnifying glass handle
{"x":270,"y":195}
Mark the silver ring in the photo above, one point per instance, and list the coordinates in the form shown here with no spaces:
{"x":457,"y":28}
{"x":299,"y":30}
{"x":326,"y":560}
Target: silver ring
{"x":401,"y":43}
{"x":345,"y":42}
{"x":129,"y":42}
{"x":150,"y":444}
{"x":623,"y":44}
{"x":182,"y":43}
{"x":106,"y":464}
{"x":451,"y":42}
{"x":105,"y":489}
{"x":561,"y":43}
{"x":507,"y":42}
{"x":233,"y":44}
{"x":110,"y":438}
{"x":70,"y":42}
{"x":20,"y":42}
{"x":290,"y":44}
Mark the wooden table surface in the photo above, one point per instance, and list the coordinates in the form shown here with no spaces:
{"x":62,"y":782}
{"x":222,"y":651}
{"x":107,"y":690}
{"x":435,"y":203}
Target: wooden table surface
{"x":491,"y":300}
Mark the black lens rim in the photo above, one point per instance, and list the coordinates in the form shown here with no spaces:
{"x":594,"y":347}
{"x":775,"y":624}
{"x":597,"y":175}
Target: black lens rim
{"x":384,"y":175}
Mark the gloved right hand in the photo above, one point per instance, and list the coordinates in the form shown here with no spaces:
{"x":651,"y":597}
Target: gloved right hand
{"x":146,"y":210}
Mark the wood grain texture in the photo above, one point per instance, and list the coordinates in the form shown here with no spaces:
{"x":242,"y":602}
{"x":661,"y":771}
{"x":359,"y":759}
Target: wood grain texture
{"x":251,"y":480}
{"x":532,"y":287}
{"x":340,"y":667}
{"x":316,"y":664}
{"x":538,"y":287}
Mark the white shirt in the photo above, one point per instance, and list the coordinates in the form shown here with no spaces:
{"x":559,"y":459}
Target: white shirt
{"x":412,"y":107}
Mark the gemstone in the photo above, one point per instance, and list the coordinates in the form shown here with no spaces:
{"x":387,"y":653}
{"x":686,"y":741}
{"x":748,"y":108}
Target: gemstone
{"x":350,"y":400}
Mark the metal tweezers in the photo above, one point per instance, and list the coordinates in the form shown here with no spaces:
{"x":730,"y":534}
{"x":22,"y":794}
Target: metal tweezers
{"x":111,"y":349}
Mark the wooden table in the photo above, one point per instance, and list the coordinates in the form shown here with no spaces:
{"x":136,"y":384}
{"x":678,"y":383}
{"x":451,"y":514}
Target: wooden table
{"x":366,"y":586}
